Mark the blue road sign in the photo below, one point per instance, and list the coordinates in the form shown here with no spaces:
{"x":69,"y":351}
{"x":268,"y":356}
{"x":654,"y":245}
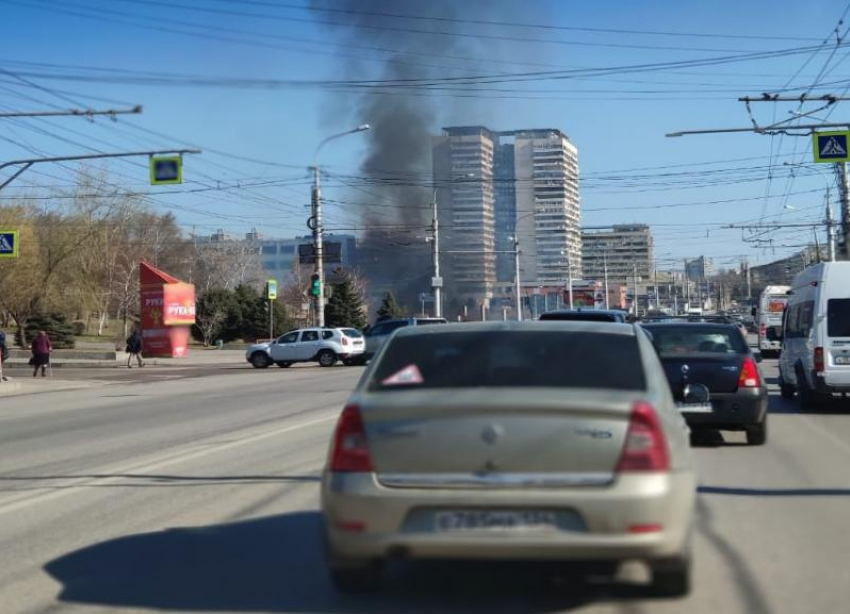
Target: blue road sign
{"x":831,"y":146}
{"x":9,"y":244}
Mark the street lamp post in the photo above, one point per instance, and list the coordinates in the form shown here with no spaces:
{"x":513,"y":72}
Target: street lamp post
{"x":516,"y":280}
{"x":315,"y":223}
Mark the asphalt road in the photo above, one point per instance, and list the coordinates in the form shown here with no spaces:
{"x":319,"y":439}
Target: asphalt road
{"x":201,"y":494}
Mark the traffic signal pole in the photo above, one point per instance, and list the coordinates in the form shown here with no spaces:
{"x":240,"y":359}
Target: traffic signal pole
{"x":317,"y":249}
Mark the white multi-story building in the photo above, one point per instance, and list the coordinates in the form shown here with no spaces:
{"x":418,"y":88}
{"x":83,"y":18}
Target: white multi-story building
{"x":463,"y":175}
{"x":548,"y":212}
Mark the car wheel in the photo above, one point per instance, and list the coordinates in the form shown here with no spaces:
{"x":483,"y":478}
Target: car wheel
{"x":786,"y":391}
{"x":327,"y":358}
{"x":809,"y":399}
{"x":757,"y":434}
{"x":283,"y":364}
{"x":672,"y":579}
{"x":260,"y":360}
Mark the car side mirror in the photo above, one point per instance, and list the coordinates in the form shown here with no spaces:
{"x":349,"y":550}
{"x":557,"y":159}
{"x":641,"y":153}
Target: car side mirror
{"x":758,"y":357}
{"x":696,"y":393}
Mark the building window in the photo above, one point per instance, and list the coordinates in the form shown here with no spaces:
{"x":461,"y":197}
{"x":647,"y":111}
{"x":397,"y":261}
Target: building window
{"x":270,"y":249}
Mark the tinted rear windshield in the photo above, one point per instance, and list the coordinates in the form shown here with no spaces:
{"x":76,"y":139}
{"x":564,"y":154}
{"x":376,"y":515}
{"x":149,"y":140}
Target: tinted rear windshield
{"x":692,"y":339}
{"x":838,"y":317}
{"x":585,"y":316}
{"x":510,"y":359}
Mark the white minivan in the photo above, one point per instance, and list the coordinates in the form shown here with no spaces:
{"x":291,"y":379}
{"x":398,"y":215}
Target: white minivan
{"x":815,"y":360}
{"x":768,"y":316}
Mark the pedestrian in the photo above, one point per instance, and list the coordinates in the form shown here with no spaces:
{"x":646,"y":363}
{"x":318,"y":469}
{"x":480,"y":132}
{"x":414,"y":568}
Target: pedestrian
{"x":134,"y":348}
{"x":4,"y":355}
{"x":41,"y":350}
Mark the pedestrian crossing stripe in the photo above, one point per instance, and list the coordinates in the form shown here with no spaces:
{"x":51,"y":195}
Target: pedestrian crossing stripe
{"x":831,"y":146}
{"x":8,"y":243}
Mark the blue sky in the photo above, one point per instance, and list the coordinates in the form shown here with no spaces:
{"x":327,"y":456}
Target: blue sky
{"x":617,"y":121}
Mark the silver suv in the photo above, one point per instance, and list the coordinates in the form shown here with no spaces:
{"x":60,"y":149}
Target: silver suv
{"x":323,"y":345}
{"x":381,"y":331}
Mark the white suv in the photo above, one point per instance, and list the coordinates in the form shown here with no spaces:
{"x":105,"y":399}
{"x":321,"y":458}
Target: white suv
{"x":323,"y":345}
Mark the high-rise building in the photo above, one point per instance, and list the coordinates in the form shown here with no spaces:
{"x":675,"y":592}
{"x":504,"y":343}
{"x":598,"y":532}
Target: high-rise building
{"x":497,"y":186}
{"x":624,"y":249}
{"x":548,"y":212}
{"x":280,"y":255}
{"x":699,"y":269}
{"x":463,"y":161}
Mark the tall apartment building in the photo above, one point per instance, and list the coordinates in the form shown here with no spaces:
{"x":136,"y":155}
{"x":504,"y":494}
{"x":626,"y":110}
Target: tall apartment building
{"x":548,"y":212}
{"x":699,"y":269}
{"x":463,"y":160}
{"x":624,"y":248}
{"x":494,"y":186}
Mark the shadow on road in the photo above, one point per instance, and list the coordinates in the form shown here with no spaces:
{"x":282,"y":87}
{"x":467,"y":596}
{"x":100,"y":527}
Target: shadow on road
{"x":275,"y":564}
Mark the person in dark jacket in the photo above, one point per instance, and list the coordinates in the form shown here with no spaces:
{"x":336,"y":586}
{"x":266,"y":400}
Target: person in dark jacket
{"x":41,"y":349}
{"x":134,"y":348}
{"x":4,"y":354}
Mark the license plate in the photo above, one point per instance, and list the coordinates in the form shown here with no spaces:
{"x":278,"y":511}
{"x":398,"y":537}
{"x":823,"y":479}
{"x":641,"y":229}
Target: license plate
{"x":495,"y":520}
{"x":842,"y":360}
{"x":695,"y":408}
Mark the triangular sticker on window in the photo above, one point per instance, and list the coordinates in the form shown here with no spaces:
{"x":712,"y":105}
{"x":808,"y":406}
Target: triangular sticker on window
{"x":409,"y":375}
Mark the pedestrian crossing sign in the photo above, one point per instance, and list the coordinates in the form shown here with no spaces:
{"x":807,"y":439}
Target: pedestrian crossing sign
{"x":831,"y":146}
{"x":9,"y":244}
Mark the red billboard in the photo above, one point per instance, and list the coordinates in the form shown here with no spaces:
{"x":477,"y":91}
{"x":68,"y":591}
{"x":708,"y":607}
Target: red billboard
{"x":167,"y":310}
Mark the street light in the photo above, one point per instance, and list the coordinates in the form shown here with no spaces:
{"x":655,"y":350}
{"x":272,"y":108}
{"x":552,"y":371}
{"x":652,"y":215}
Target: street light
{"x":315,"y":223}
{"x":569,"y":275}
{"x":515,"y":240}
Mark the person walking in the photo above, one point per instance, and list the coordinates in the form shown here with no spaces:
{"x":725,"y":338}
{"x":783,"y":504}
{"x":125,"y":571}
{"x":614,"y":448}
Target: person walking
{"x":134,"y":348}
{"x":41,"y":350}
{"x":4,"y":355}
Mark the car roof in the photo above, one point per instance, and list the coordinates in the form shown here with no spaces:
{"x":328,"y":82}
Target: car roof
{"x":555,"y":326}
{"x":687,"y":324}
{"x":588,"y":310}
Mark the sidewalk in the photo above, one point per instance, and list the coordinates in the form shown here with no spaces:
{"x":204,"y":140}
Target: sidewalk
{"x":17,"y":385}
{"x":197,"y":357}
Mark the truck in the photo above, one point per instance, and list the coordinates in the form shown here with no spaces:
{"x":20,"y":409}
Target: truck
{"x":768,"y":319}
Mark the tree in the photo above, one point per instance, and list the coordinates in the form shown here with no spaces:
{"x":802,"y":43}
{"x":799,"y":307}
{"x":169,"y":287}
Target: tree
{"x":390,"y":308}
{"x":345,"y":307}
{"x":214,"y":307}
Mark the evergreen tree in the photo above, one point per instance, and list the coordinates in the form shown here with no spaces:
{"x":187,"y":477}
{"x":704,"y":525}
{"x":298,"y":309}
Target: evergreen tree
{"x":344,"y":309}
{"x":390,"y":308}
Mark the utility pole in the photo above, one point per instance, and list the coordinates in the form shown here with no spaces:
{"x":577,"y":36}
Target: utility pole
{"x":570,"y":279}
{"x":437,"y":281}
{"x":687,"y":293}
{"x":830,"y":229}
{"x":316,"y":219}
{"x":655,"y":286}
{"x":845,"y":207}
{"x":315,"y":223}
{"x":517,"y":282}
{"x":635,"y":301}
{"x":605,"y":268}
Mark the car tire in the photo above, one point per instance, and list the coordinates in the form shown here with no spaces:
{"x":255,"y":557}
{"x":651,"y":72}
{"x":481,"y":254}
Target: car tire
{"x":326,"y":358}
{"x":283,"y":364}
{"x":809,"y":399}
{"x":757,"y":434}
{"x":786,"y":391}
{"x":360,"y":579}
{"x":672,"y":579}
{"x":260,"y":360}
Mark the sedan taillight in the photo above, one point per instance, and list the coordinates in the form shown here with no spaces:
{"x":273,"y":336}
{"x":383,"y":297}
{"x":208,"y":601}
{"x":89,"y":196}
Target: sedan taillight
{"x":749,"y":377}
{"x":350,"y":452}
{"x":646,"y":445}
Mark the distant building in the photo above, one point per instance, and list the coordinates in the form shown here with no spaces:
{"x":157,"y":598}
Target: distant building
{"x":547,"y":205}
{"x":699,"y":269}
{"x":782,"y":272}
{"x":280,"y":255}
{"x":463,"y":161}
{"x":625,"y":250}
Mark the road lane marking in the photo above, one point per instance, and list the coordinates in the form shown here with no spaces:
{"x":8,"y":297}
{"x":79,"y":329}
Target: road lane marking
{"x":207,"y":449}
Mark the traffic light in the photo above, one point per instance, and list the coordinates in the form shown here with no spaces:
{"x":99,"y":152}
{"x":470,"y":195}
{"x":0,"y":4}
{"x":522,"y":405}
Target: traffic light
{"x":315,"y":284}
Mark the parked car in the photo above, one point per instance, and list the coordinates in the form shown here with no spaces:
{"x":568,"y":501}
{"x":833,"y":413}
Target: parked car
{"x":815,"y":360}
{"x":717,"y":357}
{"x":511,"y":440}
{"x":377,"y":335}
{"x":586,"y":315}
{"x":323,"y":345}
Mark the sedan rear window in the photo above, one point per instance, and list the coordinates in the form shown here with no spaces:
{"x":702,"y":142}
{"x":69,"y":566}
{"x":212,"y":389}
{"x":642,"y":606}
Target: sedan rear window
{"x":690,"y":339}
{"x":511,"y":359}
{"x":582,"y":316}
{"x":838,"y":317}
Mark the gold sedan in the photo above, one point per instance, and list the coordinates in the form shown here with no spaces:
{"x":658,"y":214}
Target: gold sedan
{"x":527,"y":441}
